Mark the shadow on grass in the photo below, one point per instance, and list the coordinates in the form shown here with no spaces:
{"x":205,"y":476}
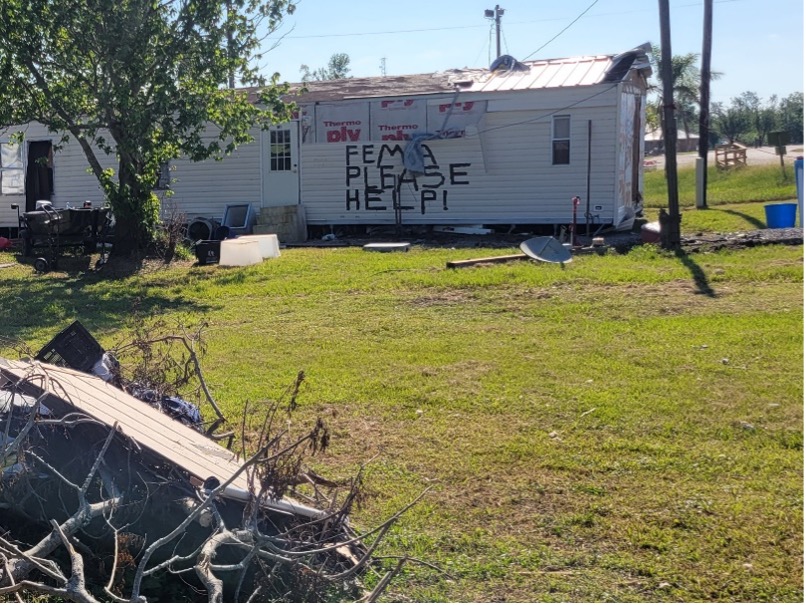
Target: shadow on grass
{"x":756,"y":222}
{"x":700,"y":279}
{"x":33,"y":304}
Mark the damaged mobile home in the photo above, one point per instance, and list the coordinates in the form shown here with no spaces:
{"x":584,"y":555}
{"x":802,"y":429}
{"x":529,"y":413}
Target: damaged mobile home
{"x":512,"y":144}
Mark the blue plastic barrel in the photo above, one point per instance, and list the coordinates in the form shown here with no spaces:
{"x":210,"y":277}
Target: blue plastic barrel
{"x":780,"y":216}
{"x":799,"y":187}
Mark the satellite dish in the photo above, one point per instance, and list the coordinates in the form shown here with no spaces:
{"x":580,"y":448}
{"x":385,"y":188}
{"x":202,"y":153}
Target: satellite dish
{"x":546,"y":249}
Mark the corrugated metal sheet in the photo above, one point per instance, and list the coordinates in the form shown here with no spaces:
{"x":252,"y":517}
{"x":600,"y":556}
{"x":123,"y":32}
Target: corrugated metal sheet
{"x":581,"y":71}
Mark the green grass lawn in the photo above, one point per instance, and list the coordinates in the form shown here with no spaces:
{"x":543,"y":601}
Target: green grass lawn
{"x":719,"y":218}
{"x":599,"y":431}
{"x":748,"y":184}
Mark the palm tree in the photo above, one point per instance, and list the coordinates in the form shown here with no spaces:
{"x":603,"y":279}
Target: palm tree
{"x":685,"y":87}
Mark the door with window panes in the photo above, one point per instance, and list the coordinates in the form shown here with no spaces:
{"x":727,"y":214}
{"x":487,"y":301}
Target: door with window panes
{"x":281,"y":165}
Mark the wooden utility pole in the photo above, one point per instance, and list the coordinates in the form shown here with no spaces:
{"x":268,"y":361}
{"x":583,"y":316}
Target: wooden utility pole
{"x":669,"y":222}
{"x":705,"y":102}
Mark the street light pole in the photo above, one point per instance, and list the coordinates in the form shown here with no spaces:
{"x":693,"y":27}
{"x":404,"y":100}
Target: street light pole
{"x":496,"y":14}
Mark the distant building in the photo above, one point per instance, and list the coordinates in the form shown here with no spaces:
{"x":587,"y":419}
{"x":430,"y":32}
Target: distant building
{"x":653,"y":141}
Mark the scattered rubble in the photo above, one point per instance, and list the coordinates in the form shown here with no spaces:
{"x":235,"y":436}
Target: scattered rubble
{"x":711,"y":242}
{"x":618,"y":241}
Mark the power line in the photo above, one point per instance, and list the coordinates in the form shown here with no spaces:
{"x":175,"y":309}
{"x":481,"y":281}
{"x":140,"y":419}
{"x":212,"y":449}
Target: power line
{"x":457,"y":27}
{"x":383,"y":33}
{"x":485,"y":44}
{"x":582,"y":14}
{"x":550,"y":113}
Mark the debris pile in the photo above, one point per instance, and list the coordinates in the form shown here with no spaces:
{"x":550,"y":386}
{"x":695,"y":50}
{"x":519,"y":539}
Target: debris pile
{"x":74,"y":347}
{"x":104,"y":498}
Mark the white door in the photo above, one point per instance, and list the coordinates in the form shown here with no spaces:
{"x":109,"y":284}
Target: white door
{"x":280,"y":148}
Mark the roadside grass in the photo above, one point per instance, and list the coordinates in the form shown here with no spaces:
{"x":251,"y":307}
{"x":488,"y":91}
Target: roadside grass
{"x":748,"y":184}
{"x":598,"y":431}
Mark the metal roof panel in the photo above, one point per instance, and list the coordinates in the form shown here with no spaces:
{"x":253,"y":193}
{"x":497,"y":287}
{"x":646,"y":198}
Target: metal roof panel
{"x":145,"y":425}
{"x":544,"y":73}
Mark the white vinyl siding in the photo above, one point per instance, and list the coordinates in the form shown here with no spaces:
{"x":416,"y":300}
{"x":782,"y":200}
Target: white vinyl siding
{"x":510,"y":174}
{"x":71,"y":180}
{"x":205,"y":188}
{"x":335,"y":178}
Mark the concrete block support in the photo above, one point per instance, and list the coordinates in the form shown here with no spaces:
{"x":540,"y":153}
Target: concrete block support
{"x":288,"y":222}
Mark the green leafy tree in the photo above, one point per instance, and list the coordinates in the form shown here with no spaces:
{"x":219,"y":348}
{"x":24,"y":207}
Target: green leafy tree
{"x":760,"y":117}
{"x":749,"y":120}
{"x":730,"y":122}
{"x":338,"y":67}
{"x":789,"y":117}
{"x":143,"y":81}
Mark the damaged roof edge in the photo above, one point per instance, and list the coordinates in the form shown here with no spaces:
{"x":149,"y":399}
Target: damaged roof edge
{"x":527,"y":75}
{"x":181,"y":445}
{"x":636,"y":59}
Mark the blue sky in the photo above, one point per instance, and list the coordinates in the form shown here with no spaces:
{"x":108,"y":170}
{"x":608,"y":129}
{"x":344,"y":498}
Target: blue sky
{"x":757,"y":44}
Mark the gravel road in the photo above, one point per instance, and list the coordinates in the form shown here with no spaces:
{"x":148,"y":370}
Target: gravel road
{"x":756,"y":156}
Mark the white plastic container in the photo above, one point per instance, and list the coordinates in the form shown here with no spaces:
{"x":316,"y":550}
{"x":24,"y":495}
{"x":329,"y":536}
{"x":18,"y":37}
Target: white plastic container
{"x":239,"y":253}
{"x":268,"y":243}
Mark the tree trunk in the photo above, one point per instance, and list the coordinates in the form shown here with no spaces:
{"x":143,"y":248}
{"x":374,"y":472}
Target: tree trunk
{"x":131,"y":206}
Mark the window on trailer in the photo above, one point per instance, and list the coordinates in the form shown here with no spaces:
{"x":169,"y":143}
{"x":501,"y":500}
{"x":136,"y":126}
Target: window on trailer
{"x":561,"y":140}
{"x":12,"y":175}
{"x":280,"y":141}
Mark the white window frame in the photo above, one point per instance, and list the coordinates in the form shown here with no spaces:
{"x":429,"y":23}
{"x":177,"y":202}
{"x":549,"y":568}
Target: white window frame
{"x":280,"y":153}
{"x":10,"y":170}
{"x":555,"y":139}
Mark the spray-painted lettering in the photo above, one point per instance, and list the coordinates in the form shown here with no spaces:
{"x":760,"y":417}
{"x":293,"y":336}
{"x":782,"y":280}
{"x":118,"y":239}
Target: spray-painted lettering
{"x":375,"y":179}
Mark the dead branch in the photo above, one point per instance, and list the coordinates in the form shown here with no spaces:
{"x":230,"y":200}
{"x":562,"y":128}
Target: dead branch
{"x":11,"y":579}
{"x":43,"y":566}
{"x":32,"y":558}
{"x":384,"y":582}
{"x":76,"y":585}
{"x":145,"y":343}
{"x":27,"y":561}
{"x":142,"y":568}
{"x":414,"y":560}
{"x":214,"y":586}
